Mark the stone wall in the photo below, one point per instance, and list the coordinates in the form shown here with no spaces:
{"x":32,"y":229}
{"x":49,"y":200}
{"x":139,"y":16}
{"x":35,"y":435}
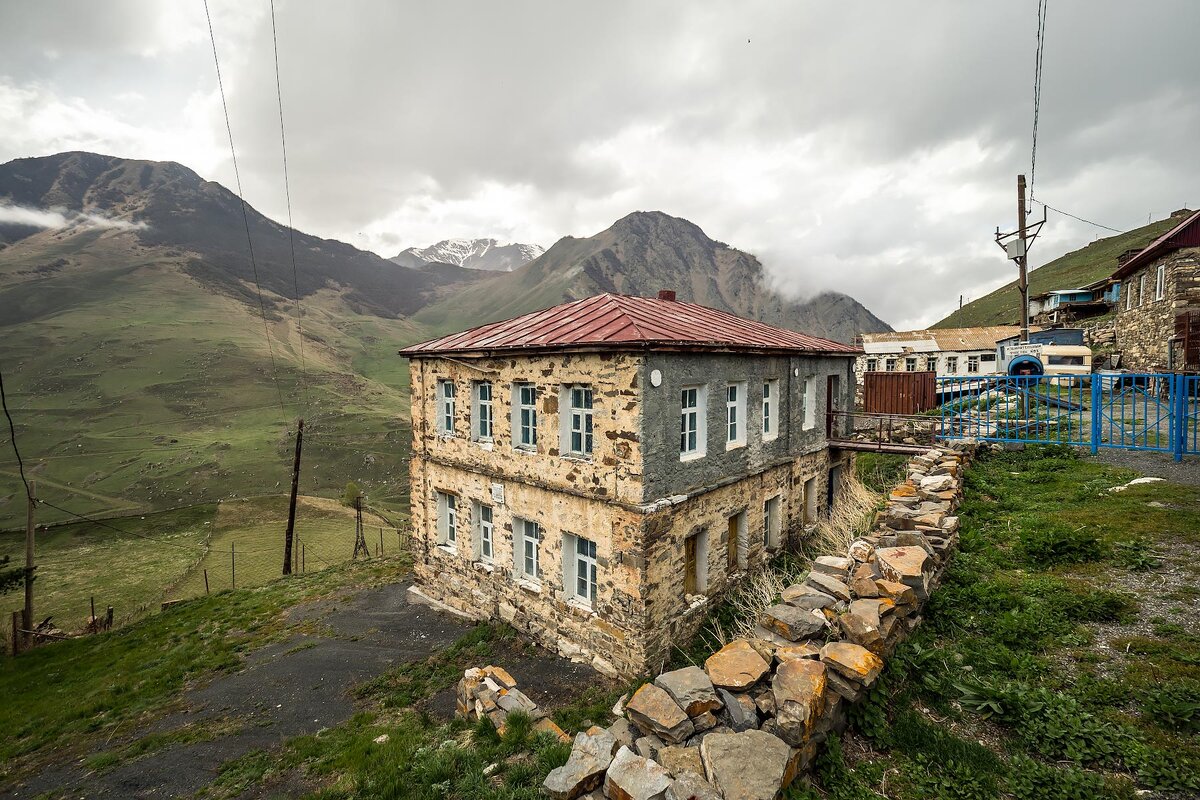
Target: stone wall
{"x":1144,"y":330}
{"x":750,"y":721}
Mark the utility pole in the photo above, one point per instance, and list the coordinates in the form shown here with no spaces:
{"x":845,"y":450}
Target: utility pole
{"x":1023,"y":260}
{"x":27,"y":615}
{"x":360,"y":540}
{"x":291,"y":526}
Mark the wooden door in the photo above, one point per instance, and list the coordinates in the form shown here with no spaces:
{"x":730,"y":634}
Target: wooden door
{"x":689,"y":565}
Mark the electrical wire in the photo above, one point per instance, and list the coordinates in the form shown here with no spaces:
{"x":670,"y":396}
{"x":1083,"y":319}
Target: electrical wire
{"x":287,"y":191}
{"x":12,"y":430}
{"x":1043,"y":7}
{"x":1072,"y":216}
{"x":245,"y":213}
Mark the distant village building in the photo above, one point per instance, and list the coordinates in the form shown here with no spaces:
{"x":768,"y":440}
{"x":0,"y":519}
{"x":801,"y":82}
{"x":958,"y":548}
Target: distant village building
{"x":1062,"y":351}
{"x":596,"y":473}
{"x":1066,"y":306}
{"x":947,"y":351}
{"x":1158,"y":317}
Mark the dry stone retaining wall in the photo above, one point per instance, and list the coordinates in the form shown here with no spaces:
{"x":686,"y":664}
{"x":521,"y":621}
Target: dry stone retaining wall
{"x":750,"y":721}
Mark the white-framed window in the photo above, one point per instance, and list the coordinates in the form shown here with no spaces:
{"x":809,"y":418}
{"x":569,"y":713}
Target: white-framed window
{"x":692,"y":403}
{"x":577,"y":422}
{"x":1128,"y":295}
{"x":770,"y":421}
{"x":735,"y":415}
{"x":1160,"y":282}
{"x":951,"y":364}
{"x":772,"y":523}
{"x":524,"y":416}
{"x":485,"y":531}
{"x":810,"y":402}
{"x":972,"y":364}
{"x":579,"y":568}
{"x":872,"y":365}
{"x":1142,"y":289}
{"x":481,"y":412}
{"x":910,"y":364}
{"x":527,"y":537}
{"x":445,"y":393}
{"x":447,"y":522}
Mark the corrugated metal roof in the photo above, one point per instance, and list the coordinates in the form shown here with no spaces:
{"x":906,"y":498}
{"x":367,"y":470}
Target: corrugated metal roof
{"x":943,"y":339}
{"x":1179,"y":236}
{"x":615,"y":321}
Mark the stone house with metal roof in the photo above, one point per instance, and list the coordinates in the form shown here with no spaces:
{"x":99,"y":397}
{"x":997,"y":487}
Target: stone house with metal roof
{"x":596,"y":473}
{"x":1158,"y":316}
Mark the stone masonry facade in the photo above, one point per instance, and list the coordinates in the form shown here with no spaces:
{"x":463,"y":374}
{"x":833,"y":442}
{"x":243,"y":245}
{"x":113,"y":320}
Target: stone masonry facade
{"x":633,"y":499}
{"x":1145,"y":323}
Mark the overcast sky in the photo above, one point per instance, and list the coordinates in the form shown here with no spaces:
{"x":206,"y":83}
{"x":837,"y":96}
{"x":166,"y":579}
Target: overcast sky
{"x":870,"y":147}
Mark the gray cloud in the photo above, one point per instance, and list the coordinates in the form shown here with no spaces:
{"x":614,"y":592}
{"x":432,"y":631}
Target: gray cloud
{"x":870,"y":148}
{"x":58,"y":218}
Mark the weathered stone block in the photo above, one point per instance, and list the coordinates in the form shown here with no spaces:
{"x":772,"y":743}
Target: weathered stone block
{"x":654,"y":711}
{"x":852,"y":661}
{"x":584,"y":770}
{"x":752,"y":765}
{"x":631,"y":777}
{"x":793,"y":624}
{"x":737,"y":665}
{"x":799,"y":689}
{"x":691,"y":690}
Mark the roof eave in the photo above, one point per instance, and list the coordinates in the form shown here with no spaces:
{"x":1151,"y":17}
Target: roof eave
{"x":608,"y":347}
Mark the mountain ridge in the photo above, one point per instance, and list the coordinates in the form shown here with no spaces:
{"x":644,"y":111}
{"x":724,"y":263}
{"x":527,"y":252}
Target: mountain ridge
{"x":482,"y":254}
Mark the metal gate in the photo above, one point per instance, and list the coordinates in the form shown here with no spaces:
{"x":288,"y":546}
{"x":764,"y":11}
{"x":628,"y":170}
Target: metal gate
{"x":1142,"y":411}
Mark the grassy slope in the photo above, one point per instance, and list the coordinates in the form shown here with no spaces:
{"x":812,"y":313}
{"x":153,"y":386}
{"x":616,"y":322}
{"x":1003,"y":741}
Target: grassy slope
{"x":1035,"y":674}
{"x":134,"y":388}
{"x":1077,"y":268}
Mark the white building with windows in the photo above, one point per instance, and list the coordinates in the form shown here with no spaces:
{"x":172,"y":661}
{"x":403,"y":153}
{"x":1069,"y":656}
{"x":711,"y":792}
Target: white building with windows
{"x":596,"y":473}
{"x":947,"y":351}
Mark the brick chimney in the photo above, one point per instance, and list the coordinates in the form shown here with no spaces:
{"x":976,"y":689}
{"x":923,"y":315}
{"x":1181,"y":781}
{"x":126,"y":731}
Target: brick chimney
{"x":666,"y":294}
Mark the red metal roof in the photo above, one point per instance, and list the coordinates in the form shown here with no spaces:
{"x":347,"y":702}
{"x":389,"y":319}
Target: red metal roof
{"x":1185,"y":234}
{"x":615,"y":321}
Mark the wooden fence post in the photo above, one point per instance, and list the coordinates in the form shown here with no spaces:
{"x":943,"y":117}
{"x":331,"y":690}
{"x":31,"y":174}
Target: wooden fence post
{"x":206,"y":583}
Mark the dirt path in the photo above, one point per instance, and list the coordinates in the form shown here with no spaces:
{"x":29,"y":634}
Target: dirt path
{"x":1158,"y":465}
{"x":291,"y":688}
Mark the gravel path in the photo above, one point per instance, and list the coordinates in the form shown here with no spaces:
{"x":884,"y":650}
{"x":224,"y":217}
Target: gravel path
{"x":290,"y":688}
{"x":1157,"y":465}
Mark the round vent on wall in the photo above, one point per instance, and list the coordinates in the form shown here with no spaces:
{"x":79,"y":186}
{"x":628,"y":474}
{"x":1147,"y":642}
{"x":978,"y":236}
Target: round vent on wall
{"x":655,"y":377}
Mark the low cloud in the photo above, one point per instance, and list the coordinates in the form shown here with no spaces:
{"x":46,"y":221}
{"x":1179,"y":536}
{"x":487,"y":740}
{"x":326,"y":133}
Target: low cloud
{"x":62,"y":218}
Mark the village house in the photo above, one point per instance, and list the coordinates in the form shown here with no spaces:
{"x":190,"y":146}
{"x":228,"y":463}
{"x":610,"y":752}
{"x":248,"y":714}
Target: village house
{"x":596,"y":473}
{"x":946,"y":351}
{"x":1158,"y":317}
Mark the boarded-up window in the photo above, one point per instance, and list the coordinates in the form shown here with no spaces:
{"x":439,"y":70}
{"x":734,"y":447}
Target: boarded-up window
{"x":691,"y":561}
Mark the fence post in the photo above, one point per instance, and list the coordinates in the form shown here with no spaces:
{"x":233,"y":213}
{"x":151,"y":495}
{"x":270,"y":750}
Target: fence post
{"x":1097,"y":401}
{"x":205,"y":583}
{"x":1179,"y":418}
{"x":16,"y":632}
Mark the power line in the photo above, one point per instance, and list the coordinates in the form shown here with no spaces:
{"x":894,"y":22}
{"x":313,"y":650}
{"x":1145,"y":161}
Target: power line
{"x":245,"y":214}
{"x":1043,"y":7}
{"x":103,"y":524}
{"x":1072,"y":216}
{"x":287,"y":191}
{"x":12,"y":430}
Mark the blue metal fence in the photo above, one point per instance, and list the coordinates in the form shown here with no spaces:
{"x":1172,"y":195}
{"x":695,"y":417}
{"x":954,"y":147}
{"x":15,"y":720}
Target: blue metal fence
{"x":1142,"y":411}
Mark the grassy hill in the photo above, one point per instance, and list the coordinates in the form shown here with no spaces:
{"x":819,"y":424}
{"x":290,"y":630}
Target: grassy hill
{"x":1077,"y":268}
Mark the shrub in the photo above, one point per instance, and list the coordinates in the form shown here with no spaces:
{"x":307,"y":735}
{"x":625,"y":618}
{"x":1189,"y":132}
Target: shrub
{"x":1030,"y":779}
{"x":1047,"y":543}
{"x":350,"y":493}
{"x":1175,"y":706}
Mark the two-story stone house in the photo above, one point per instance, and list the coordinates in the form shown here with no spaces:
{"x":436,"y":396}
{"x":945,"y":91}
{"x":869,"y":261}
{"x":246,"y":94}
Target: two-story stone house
{"x":596,"y":472}
{"x":1160,"y":301}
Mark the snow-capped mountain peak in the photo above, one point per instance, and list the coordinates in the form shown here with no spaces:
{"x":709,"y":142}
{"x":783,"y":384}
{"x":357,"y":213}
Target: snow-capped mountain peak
{"x":487,"y":254}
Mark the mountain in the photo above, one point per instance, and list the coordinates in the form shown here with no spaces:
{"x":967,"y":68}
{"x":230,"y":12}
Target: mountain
{"x":640,"y":254}
{"x":483,"y":254}
{"x":1078,"y":268}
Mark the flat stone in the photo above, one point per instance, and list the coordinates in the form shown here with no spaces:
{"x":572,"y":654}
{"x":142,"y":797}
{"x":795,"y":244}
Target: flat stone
{"x":751,"y":765}
{"x":584,"y":770}
{"x":737,"y":665}
{"x":624,"y":732}
{"x":766,"y":641}
{"x":500,"y":675}
{"x":804,"y":596}
{"x":848,"y":690}
{"x":689,"y":786}
{"x":860,"y":624}
{"x":799,"y":688}
{"x":861,"y":550}
{"x":800,"y":650}
{"x":649,"y":746}
{"x":864,"y":587}
{"x":907,"y":565}
{"x":546,"y":725}
{"x":793,"y":624}
{"x":937,"y":483}
{"x":704,"y":722}
{"x":834,"y":566}
{"x":678,"y":759}
{"x":898,"y":593}
{"x":514,"y":700}
{"x":740,"y":711}
{"x":631,"y":777}
{"x":829,"y":585}
{"x":653,"y":711}
{"x":852,"y":661}
{"x":691,"y":690}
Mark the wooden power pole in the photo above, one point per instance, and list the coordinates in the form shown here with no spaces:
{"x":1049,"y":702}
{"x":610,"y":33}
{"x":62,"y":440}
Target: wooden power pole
{"x":1023,"y":260}
{"x":27,"y":614}
{"x":291,"y":526}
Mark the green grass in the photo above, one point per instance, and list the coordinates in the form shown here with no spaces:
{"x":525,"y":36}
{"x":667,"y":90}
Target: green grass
{"x":163,"y":555}
{"x":1077,"y":268}
{"x":1021,"y":682}
{"x":62,"y":699}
